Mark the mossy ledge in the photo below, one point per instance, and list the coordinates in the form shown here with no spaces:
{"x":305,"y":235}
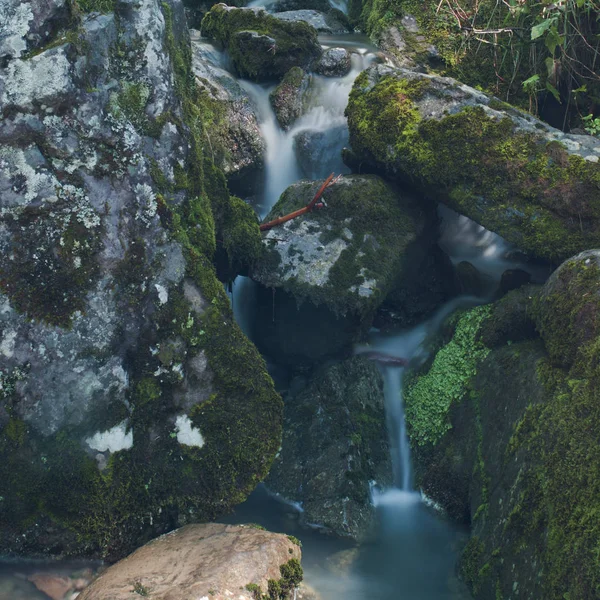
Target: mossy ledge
{"x":534,"y":185}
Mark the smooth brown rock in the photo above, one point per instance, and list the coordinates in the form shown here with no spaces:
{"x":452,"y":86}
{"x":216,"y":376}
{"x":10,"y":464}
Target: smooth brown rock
{"x":200,"y":562}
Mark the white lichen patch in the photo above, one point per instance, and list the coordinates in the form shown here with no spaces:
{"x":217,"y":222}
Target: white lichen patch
{"x":14,"y":26}
{"x":113,"y":440}
{"x":146,"y":200}
{"x":7,"y":345}
{"x":163,"y":294}
{"x":303,"y":255}
{"x":187,"y":434}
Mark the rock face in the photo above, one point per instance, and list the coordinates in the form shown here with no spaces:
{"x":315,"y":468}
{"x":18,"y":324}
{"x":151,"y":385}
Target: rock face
{"x":261,"y":47}
{"x":203,"y":561}
{"x":523,"y":410}
{"x":115,"y":334}
{"x":288,"y":99}
{"x":339,"y":262}
{"x":323,"y":22}
{"x":335,"y":62}
{"x":515,"y":175}
{"x":335,"y":443}
{"x":236,"y":142}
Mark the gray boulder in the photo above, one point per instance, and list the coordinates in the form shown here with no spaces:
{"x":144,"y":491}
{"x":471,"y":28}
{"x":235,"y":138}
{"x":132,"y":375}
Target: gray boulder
{"x":289,"y":98}
{"x":323,"y":22}
{"x":236,"y":142}
{"x":319,"y":152}
{"x":335,"y":444}
{"x":114,"y":330}
{"x":335,"y":62}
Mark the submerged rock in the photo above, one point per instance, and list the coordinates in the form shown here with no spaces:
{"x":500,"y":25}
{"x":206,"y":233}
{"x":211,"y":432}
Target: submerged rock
{"x":318,"y":151}
{"x":115,"y":334}
{"x":202,"y":561}
{"x":335,"y":62}
{"x":289,"y":98}
{"x":332,"y":268}
{"x":236,"y":143}
{"x":523,"y":411}
{"x":261,"y":46}
{"x":513,"y":174}
{"x":335,"y":444}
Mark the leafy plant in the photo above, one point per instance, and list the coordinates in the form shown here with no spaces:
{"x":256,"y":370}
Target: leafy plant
{"x":592,"y":125}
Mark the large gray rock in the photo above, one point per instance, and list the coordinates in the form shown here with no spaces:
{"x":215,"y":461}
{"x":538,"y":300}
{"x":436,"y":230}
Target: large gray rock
{"x":112,"y":321}
{"x":322,"y":22}
{"x":236,"y":141}
{"x":202,"y":561}
{"x":289,"y":98}
{"x":512,"y":173}
{"x":335,"y":444}
{"x":335,"y":62}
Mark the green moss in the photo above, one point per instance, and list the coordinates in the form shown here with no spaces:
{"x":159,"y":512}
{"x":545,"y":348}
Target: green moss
{"x":284,"y":45}
{"x":101,"y":6}
{"x":281,"y":589}
{"x":429,"y":396}
{"x":510,"y":181}
{"x":471,"y":564}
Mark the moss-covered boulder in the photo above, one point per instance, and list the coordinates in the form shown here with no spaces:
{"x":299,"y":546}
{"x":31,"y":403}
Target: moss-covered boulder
{"x":289,"y":98}
{"x":130,"y":401}
{"x":331,"y":269}
{"x":335,"y":444}
{"x":261,"y":47}
{"x":536,"y":186}
{"x":517,"y":445}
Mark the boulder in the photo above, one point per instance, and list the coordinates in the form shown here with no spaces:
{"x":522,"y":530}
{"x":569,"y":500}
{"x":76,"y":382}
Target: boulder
{"x":319,"y":152}
{"x":331,"y":22}
{"x":513,"y":174}
{"x":261,"y":47}
{"x":289,"y":99}
{"x":237,"y":145}
{"x":335,"y":445}
{"x":335,"y":62}
{"x":328,"y":271}
{"x":289,"y":5}
{"x":204,"y":561}
{"x":115,"y":334}
{"x":515,"y":427}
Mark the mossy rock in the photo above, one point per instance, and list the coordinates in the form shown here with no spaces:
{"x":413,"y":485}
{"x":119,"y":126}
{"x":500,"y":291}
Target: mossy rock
{"x":261,"y":47}
{"x":513,"y":174}
{"x":288,"y":98}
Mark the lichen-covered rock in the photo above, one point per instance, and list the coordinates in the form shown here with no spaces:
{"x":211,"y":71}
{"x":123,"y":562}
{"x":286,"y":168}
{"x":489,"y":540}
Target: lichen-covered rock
{"x":329,"y":22}
{"x":515,"y":428}
{"x":331,"y":269}
{"x":335,"y":444}
{"x":289,"y":99}
{"x":335,"y":62}
{"x":201,"y":561}
{"x":515,"y":175}
{"x":236,"y":143}
{"x":261,"y":47}
{"x":116,"y":386}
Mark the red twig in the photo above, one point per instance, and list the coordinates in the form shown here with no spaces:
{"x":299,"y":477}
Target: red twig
{"x":302,"y":211}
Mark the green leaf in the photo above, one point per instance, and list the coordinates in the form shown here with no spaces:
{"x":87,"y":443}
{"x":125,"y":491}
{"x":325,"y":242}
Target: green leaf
{"x":553,"y":39}
{"x":549,"y":66}
{"x":538,"y":30}
{"x":529,"y":85}
{"x":553,"y":91}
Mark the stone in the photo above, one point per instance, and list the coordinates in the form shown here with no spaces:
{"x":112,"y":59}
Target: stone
{"x":261,"y":47}
{"x":200,"y":561}
{"x":236,"y":141}
{"x":335,"y":62}
{"x":335,"y":445}
{"x":323,"y":22}
{"x":289,"y":98}
{"x":513,"y":279}
{"x":115,"y":333}
{"x":510,"y":172}
{"x":318,"y":152}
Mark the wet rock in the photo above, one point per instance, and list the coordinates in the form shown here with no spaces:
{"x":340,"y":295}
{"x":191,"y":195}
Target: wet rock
{"x":469,"y":279}
{"x":335,"y":62}
{"x":329,"y":23}
{"x":16,"y":588}
{"x":334,"y":266}
{"x":114,"y":331}
{"x":236,"y":142}
{"x":451,"y":137}
{"x":513,"y":279}
{"x":202,"y":561}
{"x":334,"y":444}
{"x":289,"y":5}
{"x":288,"y":99}
{"x":261,"y":46}
{"x":319,"y":152}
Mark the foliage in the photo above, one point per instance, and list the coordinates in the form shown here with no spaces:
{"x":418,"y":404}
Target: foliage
{"x":591,"y":124}
{"x":430,"y":396}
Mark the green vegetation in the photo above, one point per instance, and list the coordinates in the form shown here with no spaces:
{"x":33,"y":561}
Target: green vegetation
{"x":430,"y":396}
{"x":280,"y":589}
{"x":513,"y":182}
{"x":261,"y":46}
